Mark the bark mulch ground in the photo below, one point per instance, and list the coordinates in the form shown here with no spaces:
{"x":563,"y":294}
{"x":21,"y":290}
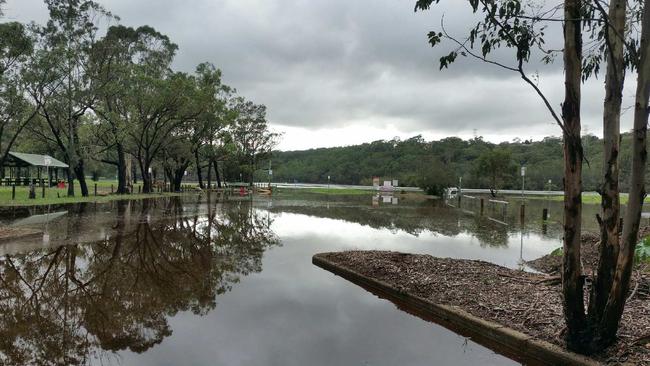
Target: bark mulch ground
{"x":9,"y":233}
{"x":528,"y":302}
{"x":552,"y":264}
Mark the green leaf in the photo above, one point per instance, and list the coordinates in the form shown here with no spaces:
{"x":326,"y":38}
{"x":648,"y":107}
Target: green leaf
{"x":642,"y":251}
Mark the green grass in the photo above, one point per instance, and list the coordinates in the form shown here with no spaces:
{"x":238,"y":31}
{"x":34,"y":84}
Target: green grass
{"x":641,"y":253}
{"x":332,"y":191}
{"x":587,"y":198}
{"x":55,"y":196}
{"x":338,"y":192}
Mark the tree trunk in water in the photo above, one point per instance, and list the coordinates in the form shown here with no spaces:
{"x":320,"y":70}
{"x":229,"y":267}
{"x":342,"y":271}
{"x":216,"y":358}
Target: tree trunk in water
{"x":146,"y":178}
{"x":216,"y":172}
{"x":210,"y":174}
{"x":621,"y":283}
{"x":129,"y":172}
{"x":70,"y":182}
{"x":178,"y":178}
{"x":610,"y":205}
{"x":81,"y":177}
{"x":252,"y":177}
{"x":169,"y":177}
{"x":199,"y":173}
{"x":121,"y":170}
{"x":572,"y":281}
{"x":146,"y":184}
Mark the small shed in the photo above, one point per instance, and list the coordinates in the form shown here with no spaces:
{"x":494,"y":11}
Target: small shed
{"x":22,"y":166}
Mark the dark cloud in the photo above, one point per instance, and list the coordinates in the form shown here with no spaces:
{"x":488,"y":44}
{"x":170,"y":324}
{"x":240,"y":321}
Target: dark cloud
{"x":322,"y":65}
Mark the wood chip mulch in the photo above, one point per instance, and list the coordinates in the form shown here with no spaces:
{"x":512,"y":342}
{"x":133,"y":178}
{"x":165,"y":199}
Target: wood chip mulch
{"x":528,"y":302}
{"x":8,"y":233}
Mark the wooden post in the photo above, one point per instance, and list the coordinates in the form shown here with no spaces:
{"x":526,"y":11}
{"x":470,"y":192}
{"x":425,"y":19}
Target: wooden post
{"x":139,"y":189}
{"x":482,"y":205}
{"x":111,"y":189}
{"x":42,"y":189}
{"x":522,"y":213}
{"x":459,"y":197}
{"x":545,"y":214}
{"x":13,"y":191}
{"x":95,"y":189}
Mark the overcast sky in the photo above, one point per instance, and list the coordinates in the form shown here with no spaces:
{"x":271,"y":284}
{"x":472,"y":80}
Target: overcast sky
{"x":341,"y":72}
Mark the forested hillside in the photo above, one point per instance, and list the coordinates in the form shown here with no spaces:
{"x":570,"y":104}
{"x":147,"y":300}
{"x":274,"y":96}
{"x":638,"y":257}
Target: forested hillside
{"x":416,"y":162}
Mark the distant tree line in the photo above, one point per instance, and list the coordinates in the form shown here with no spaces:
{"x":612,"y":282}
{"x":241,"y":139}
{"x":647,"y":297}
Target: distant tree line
{"x":110,"y":102}
{"x":434,"y":165}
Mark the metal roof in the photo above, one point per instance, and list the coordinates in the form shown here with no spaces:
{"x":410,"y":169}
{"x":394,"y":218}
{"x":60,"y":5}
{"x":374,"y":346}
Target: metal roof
{"x":22,"y":159}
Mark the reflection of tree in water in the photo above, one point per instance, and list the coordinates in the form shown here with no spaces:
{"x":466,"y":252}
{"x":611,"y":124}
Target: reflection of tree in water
{"x":489,"y":233}
{"x":415,"y":219}
{"x":67,"y":305}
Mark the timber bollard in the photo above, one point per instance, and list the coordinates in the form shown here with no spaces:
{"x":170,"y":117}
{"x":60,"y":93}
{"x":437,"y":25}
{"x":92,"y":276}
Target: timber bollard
{"x":545,"y":214}
{"x":95,"y":189}
{"x":522,"y":213}
{"x":42,"y":190}
{"x":13,"y":192}
{"x":459,"y":197}
{"x":111,"y":189}
{"x":482,"y":205}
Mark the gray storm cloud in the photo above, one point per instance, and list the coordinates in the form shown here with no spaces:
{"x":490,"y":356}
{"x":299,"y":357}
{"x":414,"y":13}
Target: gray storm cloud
{"x":322,"y":64}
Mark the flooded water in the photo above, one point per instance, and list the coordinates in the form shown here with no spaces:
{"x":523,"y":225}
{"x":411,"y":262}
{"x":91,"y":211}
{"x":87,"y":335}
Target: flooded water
{"x":230,"y":282}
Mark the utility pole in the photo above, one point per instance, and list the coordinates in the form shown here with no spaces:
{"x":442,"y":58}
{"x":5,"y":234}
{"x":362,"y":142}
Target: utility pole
{"x":460,"y":191}
{"x":48,"y":162}
{"x":523,"y":181}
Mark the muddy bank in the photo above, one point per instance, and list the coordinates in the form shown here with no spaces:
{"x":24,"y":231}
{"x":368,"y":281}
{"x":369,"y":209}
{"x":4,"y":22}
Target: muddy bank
{"x":526,"y":302}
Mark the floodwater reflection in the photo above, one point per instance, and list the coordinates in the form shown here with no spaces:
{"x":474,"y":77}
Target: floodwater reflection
{"x":69,"y":304}
{"x":230,"y":281}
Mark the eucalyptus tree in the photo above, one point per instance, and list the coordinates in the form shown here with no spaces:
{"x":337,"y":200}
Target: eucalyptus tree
{"x":611,"y":33}
{"x":202,"y":136}
{"x":210,"y":137}
{"x":16,"y":112}
{"x":159,"y":110}
{"x":496,"y":166}
{"x":251,"y":135}
{"x":115,"y":60}
{"x":176,"y":158}
{"x":57,"y":80}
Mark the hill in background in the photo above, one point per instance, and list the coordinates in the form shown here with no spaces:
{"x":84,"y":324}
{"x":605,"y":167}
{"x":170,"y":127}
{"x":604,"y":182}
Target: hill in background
{"x":416,"y":162}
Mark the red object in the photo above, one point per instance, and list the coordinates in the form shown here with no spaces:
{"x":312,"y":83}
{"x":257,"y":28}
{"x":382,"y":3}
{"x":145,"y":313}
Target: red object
{"x":61,"y":185}
{"x":242,"y":191}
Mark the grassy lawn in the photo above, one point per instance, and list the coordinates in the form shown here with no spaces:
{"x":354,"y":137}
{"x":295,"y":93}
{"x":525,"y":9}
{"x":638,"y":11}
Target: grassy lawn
{"x":335,"y":191}
{"x":589,"y":198}
{"x":338,"y":192}
{"x":59,"y":196}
